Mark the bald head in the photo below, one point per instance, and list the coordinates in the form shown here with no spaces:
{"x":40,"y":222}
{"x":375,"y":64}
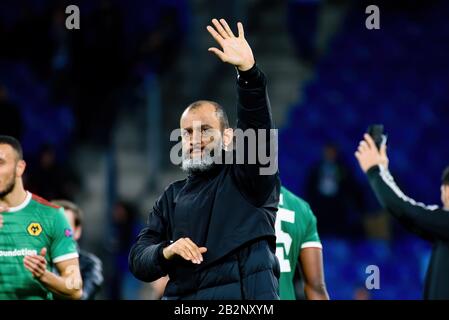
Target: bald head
{"x":211,"y":108}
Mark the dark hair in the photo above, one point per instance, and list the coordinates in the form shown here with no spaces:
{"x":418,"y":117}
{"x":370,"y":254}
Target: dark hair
{"x":445,"y":176}
{"x":14,"y":143}
{"x":69,"y":205}
{"x":219,"y":110}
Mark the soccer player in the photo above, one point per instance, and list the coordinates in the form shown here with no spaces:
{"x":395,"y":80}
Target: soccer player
{"x":297,"y":240}
{"x":90,"y":265}
{"x":34,"y":236}
{"x":429,"y":222}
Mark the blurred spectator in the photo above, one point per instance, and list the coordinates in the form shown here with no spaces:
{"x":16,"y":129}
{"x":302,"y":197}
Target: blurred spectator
{"x":61,"y":55}
{"x":160,"y":47}
{"x":99,"y":73}
{"x":90,"y":266}
{"x":302,"y":21}
{"x":126,"y":227}
{"x":335,"y":195}
{"x":10,"y":115}
{"x":50,"y":179}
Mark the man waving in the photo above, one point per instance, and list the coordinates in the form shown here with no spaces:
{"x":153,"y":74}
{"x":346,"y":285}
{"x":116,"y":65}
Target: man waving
{"x":213,"y":232}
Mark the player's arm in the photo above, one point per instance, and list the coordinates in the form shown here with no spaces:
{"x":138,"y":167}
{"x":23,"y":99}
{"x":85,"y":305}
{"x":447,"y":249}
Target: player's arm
{"x":253,"y":112}
{"x":67,"y":285}
{"x":311,"y":261}
{"x":426,"y":221}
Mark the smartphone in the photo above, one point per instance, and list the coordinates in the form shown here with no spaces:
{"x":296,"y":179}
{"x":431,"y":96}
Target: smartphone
{"x":376,"y":131}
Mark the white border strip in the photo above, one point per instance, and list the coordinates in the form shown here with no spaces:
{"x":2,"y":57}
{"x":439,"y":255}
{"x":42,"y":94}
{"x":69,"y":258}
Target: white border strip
{"x":22,"y":205}
{"x":312,"y":244}
{"x":388,"y":179}
{"x":66,"y":257}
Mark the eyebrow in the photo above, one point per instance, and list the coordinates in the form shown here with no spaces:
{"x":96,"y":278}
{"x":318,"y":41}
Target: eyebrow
{"x":203,"y":126}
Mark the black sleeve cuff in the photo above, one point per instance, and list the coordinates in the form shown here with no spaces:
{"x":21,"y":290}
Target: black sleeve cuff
{"x":251,"y":78}
{"x":373,"y":171}
{"x":160,"y":254}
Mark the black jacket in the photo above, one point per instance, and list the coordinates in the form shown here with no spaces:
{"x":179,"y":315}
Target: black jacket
{"x":92,"y":274}
{"x":429,"y":222}
{"x":230,"y":210}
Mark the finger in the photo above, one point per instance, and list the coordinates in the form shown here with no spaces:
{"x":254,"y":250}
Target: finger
{"x":43,"y":252}
{"x":36,"y":269}
{"x":38,"y":263}
{"x":358,"y":155}
{"x":35,"y":257}
{"x":195,"y":251}
{"x":183,"y":252}
{"x":363,"y":146}
{"x":215,"y":35}
{"x":220,"y":29}
{"x":202,"y":249}
{"x":241,"y":31}
{"x":218,"y":53}
{"x":30,"y":265}
{"x":193,"y":247}
{"x":227,"y":29}
{"x":186,"y":246}
{"x":370,"y":141}
{"x":41,"y":269}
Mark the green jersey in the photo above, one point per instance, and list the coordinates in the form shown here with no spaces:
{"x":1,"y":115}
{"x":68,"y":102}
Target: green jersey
{"x":27,"y":229}
{"x":295,"y":230}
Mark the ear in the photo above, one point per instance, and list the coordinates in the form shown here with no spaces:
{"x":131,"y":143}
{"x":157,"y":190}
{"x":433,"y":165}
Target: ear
{"x":77,"y":233}
{"x":20,"y":168}
{"x":228,"y":135}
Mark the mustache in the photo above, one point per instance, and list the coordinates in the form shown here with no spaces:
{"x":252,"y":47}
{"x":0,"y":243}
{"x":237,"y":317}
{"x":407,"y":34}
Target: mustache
{"x":205,"y":151}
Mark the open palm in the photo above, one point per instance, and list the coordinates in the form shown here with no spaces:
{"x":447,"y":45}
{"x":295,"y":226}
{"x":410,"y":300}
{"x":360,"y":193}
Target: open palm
{"x":235,"y":50}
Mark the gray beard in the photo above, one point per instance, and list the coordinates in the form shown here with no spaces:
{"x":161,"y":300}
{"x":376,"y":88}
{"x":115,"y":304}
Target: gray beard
{"x":202,"y":164}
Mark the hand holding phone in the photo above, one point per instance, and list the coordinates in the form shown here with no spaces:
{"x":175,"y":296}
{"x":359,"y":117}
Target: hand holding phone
{"x":376,"y":131}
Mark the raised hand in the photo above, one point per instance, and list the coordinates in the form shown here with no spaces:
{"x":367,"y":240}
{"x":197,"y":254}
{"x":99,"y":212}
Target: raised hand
{"x":368,"y":155}
{"x":235,"y":50}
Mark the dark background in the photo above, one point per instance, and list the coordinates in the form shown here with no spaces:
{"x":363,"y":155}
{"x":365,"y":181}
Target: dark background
{"x":94,"y":109}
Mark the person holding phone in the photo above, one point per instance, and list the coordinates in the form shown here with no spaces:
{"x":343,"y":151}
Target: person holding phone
{"x":428,"y":222}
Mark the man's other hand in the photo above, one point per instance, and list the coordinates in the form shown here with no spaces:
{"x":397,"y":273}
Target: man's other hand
{"x":185,"y":248}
